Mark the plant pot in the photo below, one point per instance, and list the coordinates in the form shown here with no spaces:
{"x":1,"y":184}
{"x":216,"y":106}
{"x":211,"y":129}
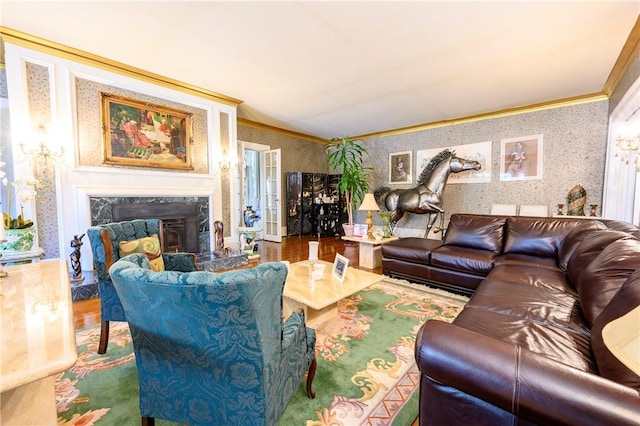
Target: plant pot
{"x":348,"y":230}
{"x":19,"y":239}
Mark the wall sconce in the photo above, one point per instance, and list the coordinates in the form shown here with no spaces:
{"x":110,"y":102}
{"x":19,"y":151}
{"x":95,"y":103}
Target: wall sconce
{"x":226,"y":163}
{"x":628,"y":142}
{"x":40,"y":148}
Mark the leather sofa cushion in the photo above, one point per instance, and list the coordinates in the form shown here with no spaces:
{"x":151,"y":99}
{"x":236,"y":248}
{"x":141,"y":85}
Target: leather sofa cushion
{"x":476,"y":231}
{"x":575,"y":237}
{"x":411,"y":249}
{"x":589,"y":249}
{"x":604,"y":276}
{"x":553,"y":280}
{"x":627,"y":299}
{"x":465,"y":259}
{"x":536,"y":236}
{"x":541,"y":295}
{"x":562,"y":345}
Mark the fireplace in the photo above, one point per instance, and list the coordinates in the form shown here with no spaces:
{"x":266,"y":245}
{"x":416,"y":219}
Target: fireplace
{"x":180,"y":222}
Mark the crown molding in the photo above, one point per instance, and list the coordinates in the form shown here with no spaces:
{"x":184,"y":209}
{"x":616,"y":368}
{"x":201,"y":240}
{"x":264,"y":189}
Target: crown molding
{"x":256,"y":125}
{"x":576,"y":100}
{"x":628,"y":52}
{"x":35,"y":43}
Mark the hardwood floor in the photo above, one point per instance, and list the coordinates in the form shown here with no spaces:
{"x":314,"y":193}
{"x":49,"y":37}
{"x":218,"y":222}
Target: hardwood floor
{"x":293,"y":249}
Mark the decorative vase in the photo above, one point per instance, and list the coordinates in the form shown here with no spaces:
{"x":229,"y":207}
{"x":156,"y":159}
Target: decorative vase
{"x":19,"y":239}
{"x":249,"y":217}
{"x":313,"y":251}
{"x":348,"y":229}
{"x":576,"y":199}
{"x":386,"y":220}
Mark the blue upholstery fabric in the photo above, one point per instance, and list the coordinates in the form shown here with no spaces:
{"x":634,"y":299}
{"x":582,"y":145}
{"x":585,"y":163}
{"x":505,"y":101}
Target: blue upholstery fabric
{"x":104,"y":257}
{"x":212,"y":349}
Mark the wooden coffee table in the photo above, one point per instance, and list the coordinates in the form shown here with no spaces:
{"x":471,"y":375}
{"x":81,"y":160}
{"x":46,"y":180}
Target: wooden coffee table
{"x":319,"y":298}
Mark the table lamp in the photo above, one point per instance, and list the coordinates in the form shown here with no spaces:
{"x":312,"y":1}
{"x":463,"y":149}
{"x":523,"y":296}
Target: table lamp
{"x":369,"y":204}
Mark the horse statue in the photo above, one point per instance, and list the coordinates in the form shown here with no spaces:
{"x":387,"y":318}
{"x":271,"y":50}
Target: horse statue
{"x":427,"y":196}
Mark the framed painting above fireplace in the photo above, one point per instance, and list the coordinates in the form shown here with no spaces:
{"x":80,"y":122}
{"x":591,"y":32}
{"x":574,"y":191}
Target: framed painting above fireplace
{"x":140,"y":134}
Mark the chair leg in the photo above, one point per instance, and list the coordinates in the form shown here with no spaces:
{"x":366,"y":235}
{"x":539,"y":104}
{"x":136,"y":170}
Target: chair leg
{"x":310,"y":375}
{"x":148,"y":421}
{"x":104,"y":337}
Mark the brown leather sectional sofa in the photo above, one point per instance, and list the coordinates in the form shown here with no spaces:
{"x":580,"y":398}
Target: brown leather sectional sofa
{"x":528,"y":348}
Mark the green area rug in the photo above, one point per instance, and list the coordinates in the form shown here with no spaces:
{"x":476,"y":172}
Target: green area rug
{"x":366,"y":368}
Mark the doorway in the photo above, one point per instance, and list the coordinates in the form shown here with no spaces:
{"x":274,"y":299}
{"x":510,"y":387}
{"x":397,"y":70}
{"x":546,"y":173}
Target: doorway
{"x":261,"y":187}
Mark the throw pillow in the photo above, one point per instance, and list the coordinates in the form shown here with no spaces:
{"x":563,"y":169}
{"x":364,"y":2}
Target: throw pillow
{"x":147,"y":245}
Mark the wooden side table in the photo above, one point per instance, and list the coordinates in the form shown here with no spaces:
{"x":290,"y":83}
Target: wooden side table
{"x":370,"y":255}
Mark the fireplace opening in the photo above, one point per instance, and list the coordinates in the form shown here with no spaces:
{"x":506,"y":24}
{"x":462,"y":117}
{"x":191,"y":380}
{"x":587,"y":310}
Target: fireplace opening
{"x":179,"y":222}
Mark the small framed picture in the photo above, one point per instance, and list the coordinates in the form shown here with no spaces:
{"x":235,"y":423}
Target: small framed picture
{"x":359,"y":229}
{"x":340,"y":266}
{"x":400,"y":167}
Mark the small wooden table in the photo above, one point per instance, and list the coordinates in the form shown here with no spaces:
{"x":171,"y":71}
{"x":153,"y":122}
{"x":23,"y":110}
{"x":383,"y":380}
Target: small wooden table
{"x":319,"y":298}
{"x":37,"y":340}
{"x":369,"y":250}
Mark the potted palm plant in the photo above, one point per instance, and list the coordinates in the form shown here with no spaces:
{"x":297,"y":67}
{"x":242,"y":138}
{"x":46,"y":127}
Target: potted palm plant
{"x":347,"y":156}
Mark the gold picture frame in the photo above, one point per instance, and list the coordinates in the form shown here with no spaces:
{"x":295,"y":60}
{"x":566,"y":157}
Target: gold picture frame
{"x":141,"y":134}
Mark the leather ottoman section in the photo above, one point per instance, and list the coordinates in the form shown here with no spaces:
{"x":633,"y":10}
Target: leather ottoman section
{"x":465,"y":259}
{"x":568,"y":347}
{"x":540,"y":304}
{"x":455,"y":281}
{"x":525,"y":259}
{"x":410,"y":249}
{"x":400,"y":268}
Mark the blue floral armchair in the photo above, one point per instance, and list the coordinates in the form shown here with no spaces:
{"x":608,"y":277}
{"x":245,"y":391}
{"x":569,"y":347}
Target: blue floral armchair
{"x":105,"y":240}
{"x":212,"y":349}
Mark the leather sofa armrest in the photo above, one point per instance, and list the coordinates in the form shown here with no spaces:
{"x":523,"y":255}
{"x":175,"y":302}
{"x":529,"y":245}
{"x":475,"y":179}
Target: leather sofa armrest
{"x":519,"y":381}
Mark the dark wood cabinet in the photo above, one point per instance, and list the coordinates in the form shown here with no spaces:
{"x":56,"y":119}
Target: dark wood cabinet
{"x":314,"y":204}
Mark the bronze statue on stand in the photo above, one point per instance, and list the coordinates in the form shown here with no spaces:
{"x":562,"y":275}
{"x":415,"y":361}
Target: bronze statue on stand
{"x":76,"y":243}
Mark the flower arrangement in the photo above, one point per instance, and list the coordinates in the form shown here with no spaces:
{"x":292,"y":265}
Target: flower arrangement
{"x":23,"y":190}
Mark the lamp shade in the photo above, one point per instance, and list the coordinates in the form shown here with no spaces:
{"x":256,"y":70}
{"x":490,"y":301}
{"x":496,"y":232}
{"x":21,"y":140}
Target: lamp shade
{"x":369,"y":203}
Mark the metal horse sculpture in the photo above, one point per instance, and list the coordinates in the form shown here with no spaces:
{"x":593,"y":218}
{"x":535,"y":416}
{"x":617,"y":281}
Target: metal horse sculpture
{"x":427,"y":196}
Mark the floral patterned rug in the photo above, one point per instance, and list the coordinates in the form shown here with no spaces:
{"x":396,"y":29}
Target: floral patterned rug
{"x":366,"y":371}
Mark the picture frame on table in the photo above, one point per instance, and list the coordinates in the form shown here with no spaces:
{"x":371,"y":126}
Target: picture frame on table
{"x":521,"y":158}
{"x":401,"y":167}
{"x":360,"y":229}
{"x":140,"y":134}
{"x":340,"y":266}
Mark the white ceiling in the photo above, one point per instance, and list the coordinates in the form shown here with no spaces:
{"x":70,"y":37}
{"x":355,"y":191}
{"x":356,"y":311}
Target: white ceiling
{"x":332,"y":69}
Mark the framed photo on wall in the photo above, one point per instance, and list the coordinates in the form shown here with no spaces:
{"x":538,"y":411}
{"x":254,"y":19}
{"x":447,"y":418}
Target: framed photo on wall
{"x":143,"y":135}
{"x":401,"y":167}
{"x":521,"y":158}
{"x":340,"y":265}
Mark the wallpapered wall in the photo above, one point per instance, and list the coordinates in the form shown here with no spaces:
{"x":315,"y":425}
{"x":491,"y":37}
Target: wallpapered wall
{"x":574,"y":140}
